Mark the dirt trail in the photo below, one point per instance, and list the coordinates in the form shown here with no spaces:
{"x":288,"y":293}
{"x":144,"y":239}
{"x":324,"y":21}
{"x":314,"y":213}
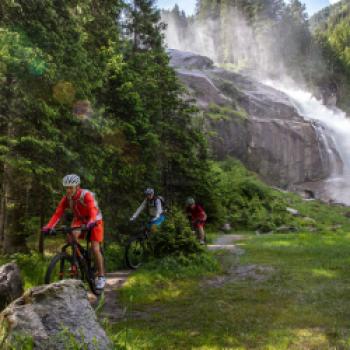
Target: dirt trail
{"x":111,"y":308}
{"x":115,"y":280}
{"x":226,"y":242}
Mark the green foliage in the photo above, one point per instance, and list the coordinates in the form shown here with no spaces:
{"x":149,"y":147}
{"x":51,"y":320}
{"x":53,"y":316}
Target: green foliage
{"x":114,"y":257}
{"x":331,"y":32}
{"x":246,"y":202}
{"x":80,"y":95}
{"x":175,"y":237}
{"x":66,"y":339}
{"x":218,"y":113}
{"x":32,"y":267}
{"x":19,"y":342}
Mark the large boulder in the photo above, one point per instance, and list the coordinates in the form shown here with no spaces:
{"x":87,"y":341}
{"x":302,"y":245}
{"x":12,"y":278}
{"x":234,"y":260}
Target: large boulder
{"x":11,"y":285}
{"x":182,"y":59}
{"x":258,"y":125}
{"x":53,"y":316}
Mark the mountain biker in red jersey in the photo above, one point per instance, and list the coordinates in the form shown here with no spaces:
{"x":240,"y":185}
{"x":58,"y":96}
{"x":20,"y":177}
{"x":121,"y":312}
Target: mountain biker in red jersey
{"x":86,"y":212}
{"x":197,"y":217}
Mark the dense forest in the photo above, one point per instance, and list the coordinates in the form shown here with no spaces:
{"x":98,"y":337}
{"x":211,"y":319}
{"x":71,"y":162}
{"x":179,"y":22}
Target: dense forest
{"x":86,"y":88}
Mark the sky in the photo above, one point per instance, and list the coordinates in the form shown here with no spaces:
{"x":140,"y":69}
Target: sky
{"x":312,"y":6}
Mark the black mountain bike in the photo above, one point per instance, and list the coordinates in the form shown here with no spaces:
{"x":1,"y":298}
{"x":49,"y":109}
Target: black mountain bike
{"x":137,"y":248}
{"x":74,"y":261}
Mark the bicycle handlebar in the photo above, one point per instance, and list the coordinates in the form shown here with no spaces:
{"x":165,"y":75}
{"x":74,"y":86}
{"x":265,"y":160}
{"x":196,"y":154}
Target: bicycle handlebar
{"x":68,"y":229}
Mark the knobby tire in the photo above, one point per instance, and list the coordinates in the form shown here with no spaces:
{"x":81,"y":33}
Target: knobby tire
{"x":135,"y":252}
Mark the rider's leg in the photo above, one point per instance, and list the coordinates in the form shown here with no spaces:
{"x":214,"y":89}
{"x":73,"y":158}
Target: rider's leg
{"x":96,"y":251}
{"x":201,"y":233}
{"x":96,"y":238}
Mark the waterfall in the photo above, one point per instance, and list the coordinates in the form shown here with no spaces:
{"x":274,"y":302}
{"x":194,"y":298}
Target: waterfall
{"x":334,"y":122}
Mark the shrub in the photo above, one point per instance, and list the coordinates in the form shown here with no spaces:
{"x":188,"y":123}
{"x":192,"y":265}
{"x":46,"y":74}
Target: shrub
{"x":114,"y":257}
{"x":248,"y":203}
{"x":175,"y":237}
{"x":32,"y":266}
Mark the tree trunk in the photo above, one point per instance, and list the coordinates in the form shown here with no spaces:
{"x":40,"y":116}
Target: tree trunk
{"x":14,"y":238}
{"x":11,"y":209}
{"x":3,"y":205}
{"x":41,"y":247}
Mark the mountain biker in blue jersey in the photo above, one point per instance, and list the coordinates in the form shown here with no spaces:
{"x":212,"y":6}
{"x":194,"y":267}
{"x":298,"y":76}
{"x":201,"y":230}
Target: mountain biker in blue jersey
{"x":154,"y":207}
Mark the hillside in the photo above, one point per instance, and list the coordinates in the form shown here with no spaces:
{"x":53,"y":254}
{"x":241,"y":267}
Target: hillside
{"x":320,"y":20}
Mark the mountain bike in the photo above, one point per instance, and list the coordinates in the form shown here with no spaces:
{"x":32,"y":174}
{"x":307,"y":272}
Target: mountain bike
{"x":74,"y":261}
{"x":137,"y":248}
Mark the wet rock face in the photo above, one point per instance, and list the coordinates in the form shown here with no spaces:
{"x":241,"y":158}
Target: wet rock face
{"x":11,"y":285}
{"x":55,"y":316}
{"x":188,"y":60}
{"x":286,"y":152}
{"x":270,"y":137}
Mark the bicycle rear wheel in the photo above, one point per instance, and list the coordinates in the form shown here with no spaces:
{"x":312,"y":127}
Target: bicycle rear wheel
{"x":62,"y":267}
{"x":135,"y":252}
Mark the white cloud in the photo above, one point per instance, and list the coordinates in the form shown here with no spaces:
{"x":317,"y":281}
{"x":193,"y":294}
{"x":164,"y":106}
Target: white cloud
{"x":333,"y":1}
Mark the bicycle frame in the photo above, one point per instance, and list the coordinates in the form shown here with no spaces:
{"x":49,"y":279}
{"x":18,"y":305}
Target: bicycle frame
{"x":79,"y":253}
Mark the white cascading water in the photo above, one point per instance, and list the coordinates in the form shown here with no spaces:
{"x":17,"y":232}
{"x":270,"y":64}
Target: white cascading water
{"x":337,"y":125}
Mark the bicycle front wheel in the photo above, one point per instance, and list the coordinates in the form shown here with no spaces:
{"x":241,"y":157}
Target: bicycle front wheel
{"x":135,"y":252}
{"x":62,"y":267}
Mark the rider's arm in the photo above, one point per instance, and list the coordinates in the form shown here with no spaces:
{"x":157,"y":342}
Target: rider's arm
{"x":90,"y":204}
{"x":159,"y":209}
{"x":139,"y":209}
{"x":58,"y":213}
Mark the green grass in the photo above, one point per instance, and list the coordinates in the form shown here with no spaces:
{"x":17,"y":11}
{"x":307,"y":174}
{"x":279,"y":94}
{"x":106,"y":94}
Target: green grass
{"x":305,"y":304}
{"x":162,"y":280}
{"x":327,"y":216}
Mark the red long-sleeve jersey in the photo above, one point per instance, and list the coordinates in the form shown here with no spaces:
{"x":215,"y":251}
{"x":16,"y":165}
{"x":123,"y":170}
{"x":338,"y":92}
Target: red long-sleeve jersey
{"x":83,"y":205}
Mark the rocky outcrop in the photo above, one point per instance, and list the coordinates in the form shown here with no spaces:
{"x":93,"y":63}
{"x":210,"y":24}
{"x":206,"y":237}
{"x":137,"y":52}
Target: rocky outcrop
{"x":327,"y":93}
{"x":189,"y":61}
{"x":54,"y":316}
{"x":257,"y":124}
{"x":11,"y":285}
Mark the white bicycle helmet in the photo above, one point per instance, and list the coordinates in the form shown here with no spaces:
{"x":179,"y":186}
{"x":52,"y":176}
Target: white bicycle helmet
{"x":149,"y":191}
{"x":190,"y":201}
{"x":71,"y":180}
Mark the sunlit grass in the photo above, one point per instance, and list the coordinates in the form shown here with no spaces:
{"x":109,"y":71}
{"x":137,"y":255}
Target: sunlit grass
{"x":323,"y":273}
{"x":305,"y":304}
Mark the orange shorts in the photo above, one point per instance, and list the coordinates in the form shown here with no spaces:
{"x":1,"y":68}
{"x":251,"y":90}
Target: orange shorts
{"x":97,"y":232}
